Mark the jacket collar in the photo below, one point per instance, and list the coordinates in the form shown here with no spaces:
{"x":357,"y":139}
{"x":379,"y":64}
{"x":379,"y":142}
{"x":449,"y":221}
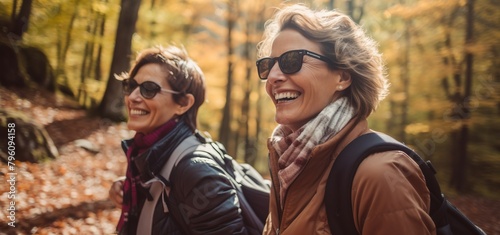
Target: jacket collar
{"x":306,"y":184}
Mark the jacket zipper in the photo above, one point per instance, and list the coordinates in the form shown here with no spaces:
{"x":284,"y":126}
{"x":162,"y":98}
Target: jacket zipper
{"x":280,"y":210}
{"x":276,"y":195}
{"x":278,"y":202}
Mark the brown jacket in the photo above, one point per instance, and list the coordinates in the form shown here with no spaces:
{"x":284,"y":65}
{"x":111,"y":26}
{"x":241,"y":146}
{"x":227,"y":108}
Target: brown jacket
{"x":389,"y":194}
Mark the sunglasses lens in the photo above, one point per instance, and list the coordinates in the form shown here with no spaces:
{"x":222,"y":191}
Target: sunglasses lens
{"x":264,"y":66}
{"x":291,"y":62}
{"x":149,"y":89}
{"x":128,"y":86}
{"x":125,"y":89}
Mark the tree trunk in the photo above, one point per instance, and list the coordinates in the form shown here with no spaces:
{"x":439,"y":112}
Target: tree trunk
{"x":14,"y":9}
{"x":92,"y":44}
{"x":350,"y":8}
{"x":98,"y":69}
{"x":225,"y":128}
{"x":112,"y":106}
{"x":331,"y":4}
{"x":469,"y":59}
{"x":356,"y":13}
{"x":65,"y":48}
{"x":405,"y":77}
{"x":88,"y":62}
{"x":63,"y":45}
{"x":249,"y":153}
{"x":392,"y":120}
{"x":153,"y":23}
{"x":21,"y":21}
{"x":459,"y":172}
{"x":84,"y":68}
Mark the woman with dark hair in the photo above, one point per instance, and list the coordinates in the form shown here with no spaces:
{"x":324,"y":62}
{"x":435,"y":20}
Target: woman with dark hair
{"x":163,"y":92}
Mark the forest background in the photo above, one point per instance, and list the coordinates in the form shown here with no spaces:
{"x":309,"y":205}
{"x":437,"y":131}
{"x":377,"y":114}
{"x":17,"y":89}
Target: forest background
{"x":442,"y":57}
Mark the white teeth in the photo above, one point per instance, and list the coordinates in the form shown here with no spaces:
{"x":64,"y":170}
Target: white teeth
{"x":137,"y":112}
{"x":286,"y":95}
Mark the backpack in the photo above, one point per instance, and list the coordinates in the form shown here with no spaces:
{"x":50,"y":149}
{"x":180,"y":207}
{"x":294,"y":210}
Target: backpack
{"x":252,"y":189}
{"x":447,"y":218}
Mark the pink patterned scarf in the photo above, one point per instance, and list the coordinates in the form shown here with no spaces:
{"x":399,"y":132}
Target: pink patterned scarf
{"x":141,"y":143}
{"x":294,"y":148}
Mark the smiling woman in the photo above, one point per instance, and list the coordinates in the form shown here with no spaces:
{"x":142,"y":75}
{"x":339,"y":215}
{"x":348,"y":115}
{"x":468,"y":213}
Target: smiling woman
{"x":168,"y":70}
{"x":148,"y":107}
{"x":163,"y":93}
{"x":325,"y":77}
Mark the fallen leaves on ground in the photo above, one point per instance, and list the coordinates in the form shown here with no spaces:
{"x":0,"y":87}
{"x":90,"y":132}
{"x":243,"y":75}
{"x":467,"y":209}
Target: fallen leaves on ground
{"x":70,"y":194}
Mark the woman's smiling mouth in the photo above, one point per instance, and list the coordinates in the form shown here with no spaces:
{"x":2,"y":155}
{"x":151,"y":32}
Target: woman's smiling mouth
{"x":286,"y":96}
{"x":138,"y":112}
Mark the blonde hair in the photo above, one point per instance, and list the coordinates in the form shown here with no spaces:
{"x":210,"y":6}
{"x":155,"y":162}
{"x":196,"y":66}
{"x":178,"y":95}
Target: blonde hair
{"x":341,"y":40}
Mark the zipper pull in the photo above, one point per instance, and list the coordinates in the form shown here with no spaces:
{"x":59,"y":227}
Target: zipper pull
{"x":277,"y":231}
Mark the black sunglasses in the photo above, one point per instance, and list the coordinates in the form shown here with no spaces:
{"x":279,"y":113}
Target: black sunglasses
{"x":289,"y":62}
{"x":148,"y":89}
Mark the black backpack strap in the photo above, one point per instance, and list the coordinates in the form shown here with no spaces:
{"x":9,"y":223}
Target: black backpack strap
{"x":339,"y":184}
{"x":254,"y":223}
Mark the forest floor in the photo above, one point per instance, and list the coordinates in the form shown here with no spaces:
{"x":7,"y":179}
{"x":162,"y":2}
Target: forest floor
{"x":69,"y":195}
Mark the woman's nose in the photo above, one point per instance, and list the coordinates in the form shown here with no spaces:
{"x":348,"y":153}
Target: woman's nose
{"x":275,"y":74}
{"x":135,"y":94}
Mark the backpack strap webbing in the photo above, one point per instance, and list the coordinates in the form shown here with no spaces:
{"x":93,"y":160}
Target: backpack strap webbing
{"x":339,"y":184}
{"x":160,"y":185}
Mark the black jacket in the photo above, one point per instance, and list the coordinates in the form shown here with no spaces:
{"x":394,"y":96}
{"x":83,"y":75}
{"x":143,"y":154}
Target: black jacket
{"x":202,"y":199}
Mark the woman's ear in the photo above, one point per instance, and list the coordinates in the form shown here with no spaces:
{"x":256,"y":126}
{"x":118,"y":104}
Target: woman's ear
{"x":345,"y":81}
{"x":186,"y":103}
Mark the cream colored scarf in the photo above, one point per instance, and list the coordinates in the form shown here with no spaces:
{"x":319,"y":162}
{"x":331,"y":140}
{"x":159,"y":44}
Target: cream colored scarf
{"x":294,"y":148}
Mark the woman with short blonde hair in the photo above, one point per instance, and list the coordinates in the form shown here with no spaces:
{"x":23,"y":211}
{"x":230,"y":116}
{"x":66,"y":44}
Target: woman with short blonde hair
{"x":325,"y":76}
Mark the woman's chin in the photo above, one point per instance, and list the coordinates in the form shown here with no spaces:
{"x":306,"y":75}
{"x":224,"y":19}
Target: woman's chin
{"x":135,"y":127}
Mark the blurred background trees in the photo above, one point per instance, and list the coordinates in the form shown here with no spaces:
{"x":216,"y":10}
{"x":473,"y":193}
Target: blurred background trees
{"x":442,"y":60}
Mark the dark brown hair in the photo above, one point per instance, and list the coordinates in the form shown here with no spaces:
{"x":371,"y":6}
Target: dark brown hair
{"x":181,"y":73}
